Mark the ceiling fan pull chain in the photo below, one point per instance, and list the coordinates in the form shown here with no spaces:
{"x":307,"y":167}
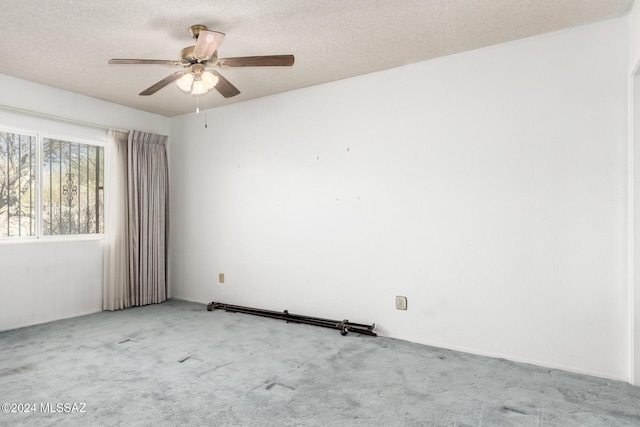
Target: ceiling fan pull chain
{"x":205,"y":111}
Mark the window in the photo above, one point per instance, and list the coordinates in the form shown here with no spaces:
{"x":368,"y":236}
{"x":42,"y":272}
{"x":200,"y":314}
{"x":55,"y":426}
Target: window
{"x":17,"y":185}
{"x":72,"y":179}
{"x":67,"y":177}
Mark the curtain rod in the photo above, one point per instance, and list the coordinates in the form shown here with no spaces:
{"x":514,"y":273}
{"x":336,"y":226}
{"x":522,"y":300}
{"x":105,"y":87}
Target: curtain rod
{"x":62,"y":119}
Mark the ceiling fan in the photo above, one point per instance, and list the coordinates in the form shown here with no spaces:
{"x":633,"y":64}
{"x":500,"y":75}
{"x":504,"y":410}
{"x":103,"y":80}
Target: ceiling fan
{"x":197,"y":77}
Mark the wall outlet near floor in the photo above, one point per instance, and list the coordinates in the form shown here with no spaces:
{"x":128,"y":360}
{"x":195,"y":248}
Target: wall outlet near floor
{"x":221,"y":277}
{"x":401,"y":303}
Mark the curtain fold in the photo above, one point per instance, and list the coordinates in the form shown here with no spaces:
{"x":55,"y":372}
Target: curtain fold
{"x":148,"y":218}
{"x":116,"y":283}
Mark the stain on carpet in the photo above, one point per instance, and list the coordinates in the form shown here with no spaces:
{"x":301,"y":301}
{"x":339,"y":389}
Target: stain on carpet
{"x":16,"y":371}
{"x":509,"y":409}
{"x":271,"y":385}
{"x":189,"y":359}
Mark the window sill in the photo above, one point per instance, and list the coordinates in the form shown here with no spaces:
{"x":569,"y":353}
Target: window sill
{"x":50,"y":239}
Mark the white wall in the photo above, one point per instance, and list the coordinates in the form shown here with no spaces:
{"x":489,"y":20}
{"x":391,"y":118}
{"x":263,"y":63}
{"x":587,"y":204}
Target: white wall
{"x":488,"y":187}
{"x":634,"y":194}
{"x":42,"y":281}
{"x":49,"y":281}
{"x":634,"y":37}
{"x":634,"y":232}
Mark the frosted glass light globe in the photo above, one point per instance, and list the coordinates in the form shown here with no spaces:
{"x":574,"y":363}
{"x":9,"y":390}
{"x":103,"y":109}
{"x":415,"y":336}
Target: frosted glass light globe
{"x":198,"y":88}
{"x":209,"y":80}
{"x":185,"y":81}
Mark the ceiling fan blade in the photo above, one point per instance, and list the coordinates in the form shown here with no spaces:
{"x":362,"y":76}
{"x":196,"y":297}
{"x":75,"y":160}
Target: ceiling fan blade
{"x":207,"y":44}
{"x":144,"y":61}
{"x":224,"y":86}
{"x":162,"y":83}
{"x":257,"y":61}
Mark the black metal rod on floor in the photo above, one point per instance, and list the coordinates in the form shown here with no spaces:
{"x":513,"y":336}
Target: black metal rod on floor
{"x":344,"y":326}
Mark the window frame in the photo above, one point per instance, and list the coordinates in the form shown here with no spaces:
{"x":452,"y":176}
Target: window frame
{"x":39,"y":187}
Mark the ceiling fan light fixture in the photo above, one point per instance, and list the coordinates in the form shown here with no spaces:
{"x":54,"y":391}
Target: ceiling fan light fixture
{"x":198,"y":88}
{"x":184,"y":82}
{"x":209,"y":80}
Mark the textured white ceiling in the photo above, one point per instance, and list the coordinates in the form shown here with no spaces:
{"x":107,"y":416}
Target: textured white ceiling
{"x":67,"y":43}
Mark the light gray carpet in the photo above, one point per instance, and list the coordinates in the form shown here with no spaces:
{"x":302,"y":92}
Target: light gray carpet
{"x":177,"y":364}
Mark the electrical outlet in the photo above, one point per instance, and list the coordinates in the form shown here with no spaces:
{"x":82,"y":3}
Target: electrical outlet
{"x":401,"y":303}
{"x":221,"y":277}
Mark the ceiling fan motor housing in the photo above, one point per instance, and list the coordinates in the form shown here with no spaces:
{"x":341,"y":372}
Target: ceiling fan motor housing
{"x":195,"y":30}
{"x":187,"y":55}
{"x":197,"y":69}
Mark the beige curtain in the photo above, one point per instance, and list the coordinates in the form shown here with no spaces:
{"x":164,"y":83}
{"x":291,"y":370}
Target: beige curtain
{"x":148,"y":190}
{"x":116,"y":285}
